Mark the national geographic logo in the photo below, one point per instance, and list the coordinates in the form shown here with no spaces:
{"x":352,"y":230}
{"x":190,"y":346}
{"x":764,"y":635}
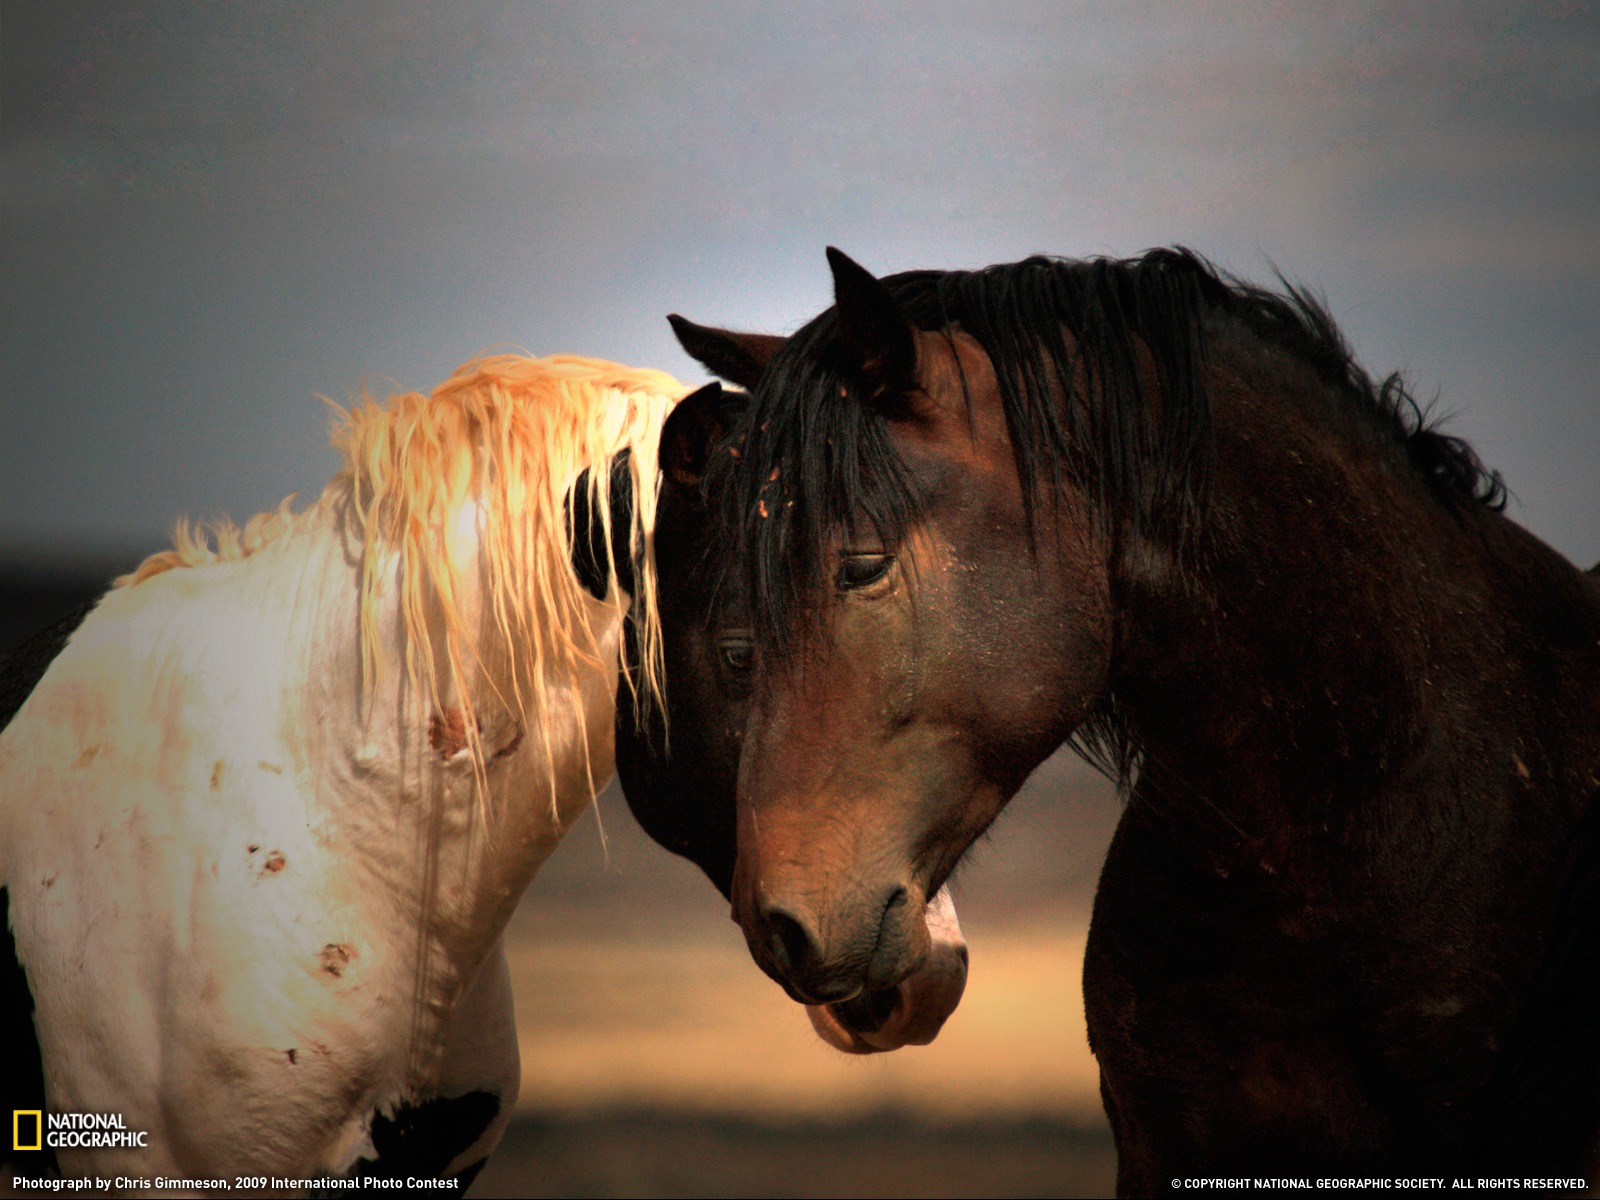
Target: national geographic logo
{"x":22,"y":1121}
{"x":32,"y":1129}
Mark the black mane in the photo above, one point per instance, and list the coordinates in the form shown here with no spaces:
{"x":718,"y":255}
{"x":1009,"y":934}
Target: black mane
{"x":813,"y":459}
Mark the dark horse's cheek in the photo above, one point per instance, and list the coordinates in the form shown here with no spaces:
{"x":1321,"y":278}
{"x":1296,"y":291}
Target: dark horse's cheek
{"x":1021,"y":655}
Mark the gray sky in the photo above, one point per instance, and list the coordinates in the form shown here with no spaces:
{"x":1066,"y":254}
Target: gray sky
{"x":214,"y":213}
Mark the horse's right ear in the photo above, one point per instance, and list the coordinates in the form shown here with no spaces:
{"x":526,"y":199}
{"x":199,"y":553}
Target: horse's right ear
{"x":878,"y":340}
{"x":694,"y":427}
{"x":737,"y":357}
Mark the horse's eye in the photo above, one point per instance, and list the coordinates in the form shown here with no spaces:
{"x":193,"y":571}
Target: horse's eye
{"x":737,"y":652}
{"x":863,"y":570}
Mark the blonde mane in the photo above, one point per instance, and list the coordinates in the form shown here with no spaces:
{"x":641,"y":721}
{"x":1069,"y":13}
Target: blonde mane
{"x":192,"y":543}
{"x":490,"y":458}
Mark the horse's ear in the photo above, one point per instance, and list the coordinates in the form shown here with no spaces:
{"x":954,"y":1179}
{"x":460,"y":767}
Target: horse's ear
{"x":692,"y":430}
{"x":589,"y":534}
{"x":878,"y":339}
{"x":693,"y":427}
{"x":737,"y":357}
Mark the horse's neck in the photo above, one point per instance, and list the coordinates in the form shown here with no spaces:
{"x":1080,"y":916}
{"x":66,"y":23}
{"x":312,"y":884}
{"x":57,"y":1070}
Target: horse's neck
{"x":445,"y":829}
{"x":1346,"y":644}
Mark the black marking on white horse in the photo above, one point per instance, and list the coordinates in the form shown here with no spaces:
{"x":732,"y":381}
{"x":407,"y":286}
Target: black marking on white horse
{"x":22,"y":1080}
{"x":588,"y":535}
{"x":421,"y":1140}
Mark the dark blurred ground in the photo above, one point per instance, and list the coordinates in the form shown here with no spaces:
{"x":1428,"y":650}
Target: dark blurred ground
{"x":665,"y":1154}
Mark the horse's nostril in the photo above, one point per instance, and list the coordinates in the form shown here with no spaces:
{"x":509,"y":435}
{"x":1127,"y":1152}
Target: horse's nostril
{"x":817,"y":971}
{"x":793,"y":947}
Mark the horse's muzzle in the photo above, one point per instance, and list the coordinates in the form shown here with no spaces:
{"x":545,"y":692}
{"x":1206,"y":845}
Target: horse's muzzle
{"x":913,"y":1011}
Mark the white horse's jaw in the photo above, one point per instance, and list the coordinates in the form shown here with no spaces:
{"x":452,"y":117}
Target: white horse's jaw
{"x":923,"y":1001}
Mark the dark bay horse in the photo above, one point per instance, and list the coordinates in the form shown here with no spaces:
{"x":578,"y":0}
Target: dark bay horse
{"x":1349,"y":919}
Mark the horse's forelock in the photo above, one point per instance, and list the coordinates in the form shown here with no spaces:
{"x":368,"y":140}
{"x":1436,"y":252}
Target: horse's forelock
{"x":808,"y":462}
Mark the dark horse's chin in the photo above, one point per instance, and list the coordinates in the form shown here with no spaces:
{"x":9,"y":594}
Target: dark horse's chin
{"x":912,"y":1012}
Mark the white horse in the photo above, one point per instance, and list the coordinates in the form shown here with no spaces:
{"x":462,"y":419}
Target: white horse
{"x":266,"y":815}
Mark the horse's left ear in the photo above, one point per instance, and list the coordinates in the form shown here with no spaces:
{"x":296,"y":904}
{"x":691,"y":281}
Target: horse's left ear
{"x":589,"y":534}
{"x":693,"y":426}
{"x":692,"y":430}
{"x":878,"y":339}
{"x":737,"y":357}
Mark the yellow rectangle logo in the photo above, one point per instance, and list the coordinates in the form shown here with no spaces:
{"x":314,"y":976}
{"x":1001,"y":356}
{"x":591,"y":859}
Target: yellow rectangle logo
{"x":17,"y":1122}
